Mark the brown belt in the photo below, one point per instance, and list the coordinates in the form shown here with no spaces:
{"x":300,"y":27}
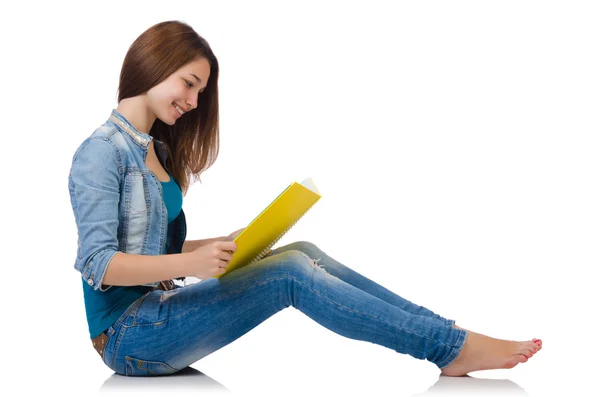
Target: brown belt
{"x":99,"y":342}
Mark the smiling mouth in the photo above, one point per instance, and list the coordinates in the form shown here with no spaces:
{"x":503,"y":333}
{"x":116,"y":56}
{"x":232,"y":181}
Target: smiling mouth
{"x":181,"y":112}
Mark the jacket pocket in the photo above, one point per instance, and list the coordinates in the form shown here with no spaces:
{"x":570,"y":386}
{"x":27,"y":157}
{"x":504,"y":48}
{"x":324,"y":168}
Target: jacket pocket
{"x":137,"y":367}
{"x":135,"y":193}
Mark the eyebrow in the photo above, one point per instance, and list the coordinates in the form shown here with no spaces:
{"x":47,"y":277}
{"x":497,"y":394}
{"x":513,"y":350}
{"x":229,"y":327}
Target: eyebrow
{"x":197,"y":78}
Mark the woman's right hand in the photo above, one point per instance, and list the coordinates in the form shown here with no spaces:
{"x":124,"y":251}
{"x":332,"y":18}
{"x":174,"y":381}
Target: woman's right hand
{"x":210,"y":260}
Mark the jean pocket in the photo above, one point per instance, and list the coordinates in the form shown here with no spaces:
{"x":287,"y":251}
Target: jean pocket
{"x":137,"y":367}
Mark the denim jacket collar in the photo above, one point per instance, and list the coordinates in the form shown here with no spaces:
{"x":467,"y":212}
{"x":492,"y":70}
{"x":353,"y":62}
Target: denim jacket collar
{"x":141,"y":138}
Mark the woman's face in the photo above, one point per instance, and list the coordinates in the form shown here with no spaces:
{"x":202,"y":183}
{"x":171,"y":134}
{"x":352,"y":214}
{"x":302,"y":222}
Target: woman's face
{"x":180,"y":88}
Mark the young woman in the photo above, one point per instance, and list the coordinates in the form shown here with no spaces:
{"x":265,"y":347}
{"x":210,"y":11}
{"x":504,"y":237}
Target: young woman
{"x":127,"y":182}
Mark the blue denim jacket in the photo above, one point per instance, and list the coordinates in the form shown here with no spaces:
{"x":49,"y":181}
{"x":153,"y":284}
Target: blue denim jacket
{"x":117,"y":201}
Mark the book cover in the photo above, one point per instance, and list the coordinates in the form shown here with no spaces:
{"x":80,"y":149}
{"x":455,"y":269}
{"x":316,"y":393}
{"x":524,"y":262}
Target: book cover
{"x":257,"y":239}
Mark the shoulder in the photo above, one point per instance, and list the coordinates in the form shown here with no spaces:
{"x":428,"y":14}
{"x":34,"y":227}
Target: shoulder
{"x":104,"y":143}
{"x":99,"y":154}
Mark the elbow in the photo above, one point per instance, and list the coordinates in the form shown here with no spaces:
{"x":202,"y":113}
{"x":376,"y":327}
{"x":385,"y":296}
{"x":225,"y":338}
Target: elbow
{"x":95,"y":268}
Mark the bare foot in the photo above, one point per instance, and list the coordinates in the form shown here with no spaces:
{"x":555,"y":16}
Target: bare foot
{"x":538,"y":341}
{"x":481,"y":352}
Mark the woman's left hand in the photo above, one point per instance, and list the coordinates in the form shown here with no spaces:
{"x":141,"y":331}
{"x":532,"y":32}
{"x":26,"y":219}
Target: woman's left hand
{"x":233,"y":235}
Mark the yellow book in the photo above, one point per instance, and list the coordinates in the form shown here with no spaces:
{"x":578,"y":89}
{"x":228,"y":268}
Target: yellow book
{"x":256,"y":240}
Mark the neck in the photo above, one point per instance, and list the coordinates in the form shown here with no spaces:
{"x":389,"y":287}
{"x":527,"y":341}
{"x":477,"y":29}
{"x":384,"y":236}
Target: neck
{"x":137,"y":113}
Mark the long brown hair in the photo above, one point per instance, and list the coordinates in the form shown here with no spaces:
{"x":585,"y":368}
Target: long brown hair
{"x":193,"y":142}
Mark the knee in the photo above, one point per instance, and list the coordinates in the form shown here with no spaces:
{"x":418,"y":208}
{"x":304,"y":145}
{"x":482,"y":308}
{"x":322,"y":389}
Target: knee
{"x":299,"y":260}
{"x":307,"y":247}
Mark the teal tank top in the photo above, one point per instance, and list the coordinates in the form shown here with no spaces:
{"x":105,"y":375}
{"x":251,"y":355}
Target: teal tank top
{"x":102,"y":309}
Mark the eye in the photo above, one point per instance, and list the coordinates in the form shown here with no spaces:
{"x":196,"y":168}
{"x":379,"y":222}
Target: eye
{"x":190,"y":85}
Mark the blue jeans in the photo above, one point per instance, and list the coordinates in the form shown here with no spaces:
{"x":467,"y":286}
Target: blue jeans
{"x":165,"y":331}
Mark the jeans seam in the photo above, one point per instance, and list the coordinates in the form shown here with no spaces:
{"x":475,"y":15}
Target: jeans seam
{"x":131,"y":311}
{"x":462,"y":335}
{"x":448,"y":359}
{"x":315,"y":291}
{"x":366,"y":314}
{"x":116,"y":348}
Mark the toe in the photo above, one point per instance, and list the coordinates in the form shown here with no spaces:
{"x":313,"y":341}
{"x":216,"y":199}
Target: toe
{"x":527,"y":350}
{"x":522,"y":359}
{"x":533,"y":348}
{"x":519,"y":358}
{"x":529,"y":346}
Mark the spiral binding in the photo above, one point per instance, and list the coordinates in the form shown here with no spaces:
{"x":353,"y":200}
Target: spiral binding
{"x":264,"y":252}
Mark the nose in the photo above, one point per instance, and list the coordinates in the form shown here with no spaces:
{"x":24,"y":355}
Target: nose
{"x":192,"y":102}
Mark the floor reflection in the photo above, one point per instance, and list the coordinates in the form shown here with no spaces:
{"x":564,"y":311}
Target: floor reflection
{"x":469,"y":386}
{"x":186,"y":379}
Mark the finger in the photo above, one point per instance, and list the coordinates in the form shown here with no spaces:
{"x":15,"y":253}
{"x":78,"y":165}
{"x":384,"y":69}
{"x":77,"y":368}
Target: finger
{"x":228,"y":246}
{"x":226,"y":255}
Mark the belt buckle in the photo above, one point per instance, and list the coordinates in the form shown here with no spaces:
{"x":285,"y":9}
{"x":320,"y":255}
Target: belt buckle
{"x":166,"y":285}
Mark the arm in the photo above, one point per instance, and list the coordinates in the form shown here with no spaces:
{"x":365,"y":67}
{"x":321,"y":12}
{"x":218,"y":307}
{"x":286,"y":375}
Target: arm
{"x":134,"y":269}
{"x":191,"y":245}
{"x":94,"y":186}
{"x":94,"y":182}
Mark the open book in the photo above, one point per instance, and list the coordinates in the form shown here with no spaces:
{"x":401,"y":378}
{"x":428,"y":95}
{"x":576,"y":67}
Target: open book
{"x":256,"y":240}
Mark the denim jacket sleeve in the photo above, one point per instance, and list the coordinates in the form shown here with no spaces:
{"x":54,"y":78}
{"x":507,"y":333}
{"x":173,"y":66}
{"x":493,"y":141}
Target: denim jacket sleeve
{"x":94,"y":184}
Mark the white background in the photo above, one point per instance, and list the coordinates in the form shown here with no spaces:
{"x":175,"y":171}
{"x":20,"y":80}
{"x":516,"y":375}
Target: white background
{"x":455,"y":145}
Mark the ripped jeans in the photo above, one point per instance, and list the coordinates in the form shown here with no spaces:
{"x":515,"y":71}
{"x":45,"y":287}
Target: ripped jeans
{"x":165,"y":331}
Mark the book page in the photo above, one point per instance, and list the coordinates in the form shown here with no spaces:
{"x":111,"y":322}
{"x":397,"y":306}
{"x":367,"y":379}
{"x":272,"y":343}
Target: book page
{"x":308,"y":183}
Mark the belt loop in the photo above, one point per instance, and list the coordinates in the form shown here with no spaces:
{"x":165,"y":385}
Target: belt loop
{"x":110,"y":331}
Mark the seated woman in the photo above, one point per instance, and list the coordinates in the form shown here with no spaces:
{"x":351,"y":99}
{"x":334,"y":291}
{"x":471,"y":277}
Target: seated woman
{"x":127,"y":183}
